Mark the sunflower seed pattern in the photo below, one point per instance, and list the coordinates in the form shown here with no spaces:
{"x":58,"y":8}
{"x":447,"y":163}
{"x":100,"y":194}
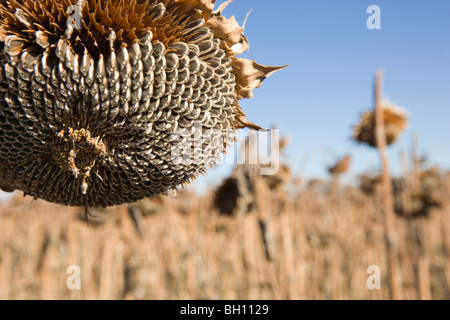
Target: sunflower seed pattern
{"x":87,"y":115}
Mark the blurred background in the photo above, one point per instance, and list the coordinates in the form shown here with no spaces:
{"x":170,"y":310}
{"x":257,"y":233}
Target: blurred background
{"x":312,"y":230}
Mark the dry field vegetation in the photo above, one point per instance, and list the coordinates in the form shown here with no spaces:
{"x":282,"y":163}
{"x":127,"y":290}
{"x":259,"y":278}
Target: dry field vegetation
{"x":74,"y":110}
{"x":296,"y":242}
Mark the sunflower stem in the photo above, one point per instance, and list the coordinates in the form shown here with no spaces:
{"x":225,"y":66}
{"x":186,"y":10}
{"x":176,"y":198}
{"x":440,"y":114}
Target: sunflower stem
{"x":388,"y":202}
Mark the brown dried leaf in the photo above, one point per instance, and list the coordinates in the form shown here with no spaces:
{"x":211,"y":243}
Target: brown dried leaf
{"x":240,"y":121}
{"x":225,"y":29}
{"x":239,"y":47}
{"x":250,"y":75}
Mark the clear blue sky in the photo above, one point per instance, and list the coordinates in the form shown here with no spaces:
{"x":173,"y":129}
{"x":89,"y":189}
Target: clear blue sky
{"x":333,"y":57}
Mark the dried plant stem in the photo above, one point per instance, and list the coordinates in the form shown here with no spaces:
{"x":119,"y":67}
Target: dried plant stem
{"x":263,"y":217}
{"x":415,"y":173}
{"x":424,"y":279}
{"x":407,"y":183}
{"x":322,"y":250}
{"x":388,"y":201}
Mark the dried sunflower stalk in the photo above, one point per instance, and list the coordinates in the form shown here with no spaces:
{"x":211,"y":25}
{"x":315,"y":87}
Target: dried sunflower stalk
{"x":88,"y":106}
{"x":395,"y":121}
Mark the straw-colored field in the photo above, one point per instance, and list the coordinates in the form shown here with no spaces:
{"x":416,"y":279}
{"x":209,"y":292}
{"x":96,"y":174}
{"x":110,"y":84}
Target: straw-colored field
{"x":308,"y":244}
{"x":107,"y":103}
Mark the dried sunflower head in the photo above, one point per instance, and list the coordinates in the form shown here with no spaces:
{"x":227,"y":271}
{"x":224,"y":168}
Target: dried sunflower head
{"x":395,"y":121}
{"x":91,"y":93}
{"x":370,"y":183}
{"x":340,"y":167}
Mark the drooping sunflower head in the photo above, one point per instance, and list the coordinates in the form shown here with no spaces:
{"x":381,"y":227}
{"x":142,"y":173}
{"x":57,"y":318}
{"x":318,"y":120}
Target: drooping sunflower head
{"x":340,"y":167}
{"x":395,"y":122}
{"x":93,"y":92}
